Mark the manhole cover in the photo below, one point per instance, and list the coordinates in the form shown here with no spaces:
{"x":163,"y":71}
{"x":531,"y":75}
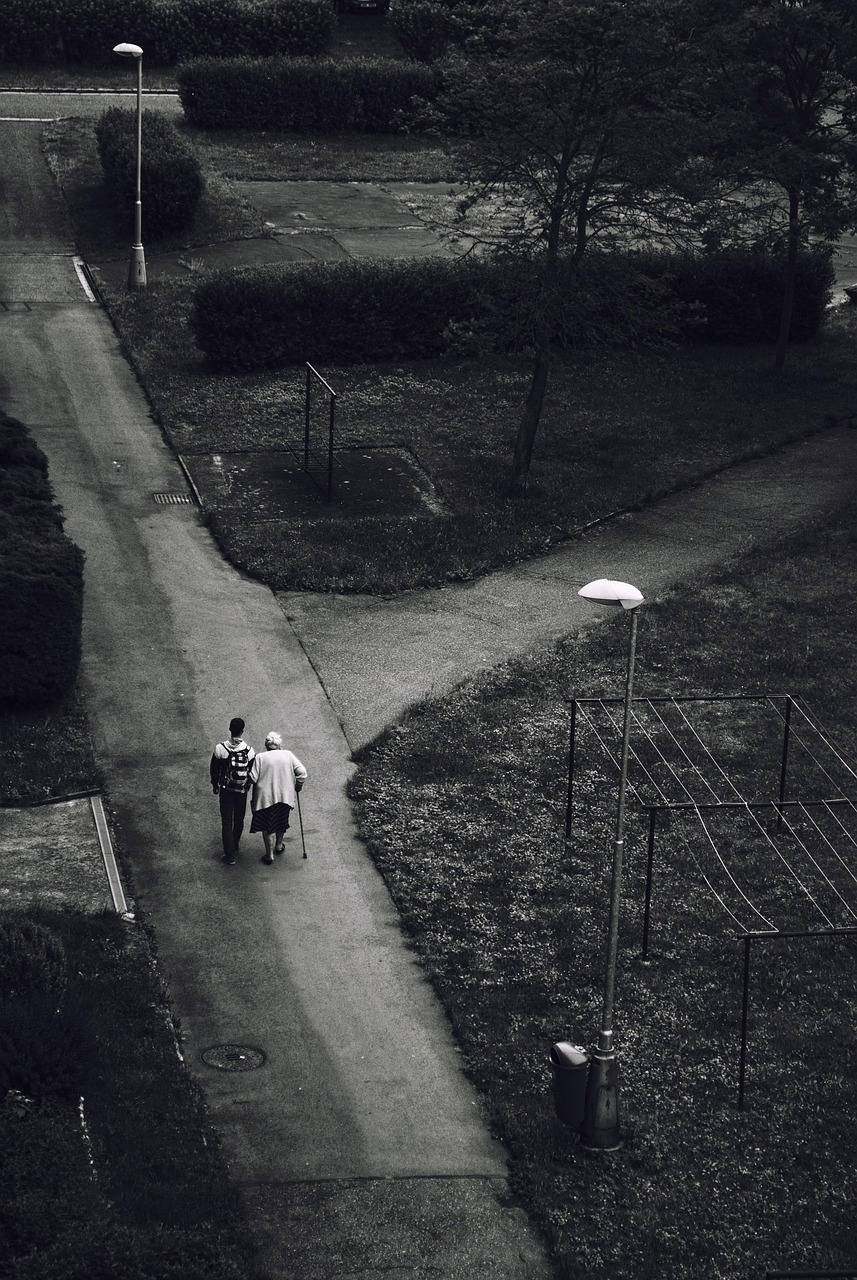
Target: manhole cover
{"x":233,"y":1057}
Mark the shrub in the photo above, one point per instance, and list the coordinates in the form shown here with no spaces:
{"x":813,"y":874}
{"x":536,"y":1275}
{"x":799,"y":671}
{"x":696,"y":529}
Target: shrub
{"x":29,"y":31}
{"x":88,"y":29}
{"x":32,"y":959}
{"x":301,"y":94}
{"x":41,"y":578}
{"x":740,"y":292}
{"x":171,"y":176}
{"x":425,"y":28}
{"x":45,"y":1051}
{"x":345,"y":311}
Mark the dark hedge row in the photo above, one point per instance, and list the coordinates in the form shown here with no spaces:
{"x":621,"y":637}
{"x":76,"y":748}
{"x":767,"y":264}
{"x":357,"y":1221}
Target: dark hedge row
{"x":303,"y":94}
{"x":360,"y":311}
{"x":140,"y":1193}
{"x":171,"y":181}
{"x":168,"y":31}
{"x":41,"y":578}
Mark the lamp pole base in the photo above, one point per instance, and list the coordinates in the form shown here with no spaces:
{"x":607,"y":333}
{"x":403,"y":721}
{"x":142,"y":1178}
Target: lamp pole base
{"x":137,"y":268}
{"x":600,"y":1128}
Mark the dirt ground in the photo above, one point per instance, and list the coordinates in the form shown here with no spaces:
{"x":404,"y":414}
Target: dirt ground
{"x":50,"y":856}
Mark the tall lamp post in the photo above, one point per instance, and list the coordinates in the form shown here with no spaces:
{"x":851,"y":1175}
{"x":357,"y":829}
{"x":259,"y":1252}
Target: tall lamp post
{"x":137,"y":265}
{"x":600,"y":1127}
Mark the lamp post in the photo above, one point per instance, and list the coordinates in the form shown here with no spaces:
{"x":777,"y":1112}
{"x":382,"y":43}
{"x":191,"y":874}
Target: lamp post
{"x":600,"y":1128}
{"x":137,"y":265}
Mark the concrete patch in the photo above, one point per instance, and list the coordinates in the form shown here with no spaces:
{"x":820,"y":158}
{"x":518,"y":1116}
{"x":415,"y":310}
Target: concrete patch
{"x":50,"y":857}
{"x":304,"y":206}
{"x":272,"y":485}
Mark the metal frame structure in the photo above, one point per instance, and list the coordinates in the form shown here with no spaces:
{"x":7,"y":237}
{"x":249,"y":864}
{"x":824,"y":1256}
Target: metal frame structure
{"x":748,"y":937}
{"x":322,"y":473}
{"x":737,"y":697}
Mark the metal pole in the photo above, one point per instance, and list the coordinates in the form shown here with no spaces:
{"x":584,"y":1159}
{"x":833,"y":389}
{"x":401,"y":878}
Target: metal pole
{"x":785,"y":763}
{"x":306,"y":420}
{"x":137,"y":265}
{"x":571,"y":737}
{"x":330,"y":450}
{"x":653,"y":813}
{"x":600,"y":1127}
{"x":301,"y":821}
{"x":746,"y":1000}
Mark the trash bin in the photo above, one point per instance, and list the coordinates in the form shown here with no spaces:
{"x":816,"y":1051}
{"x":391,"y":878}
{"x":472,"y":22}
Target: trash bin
{"x":570,"y":1063}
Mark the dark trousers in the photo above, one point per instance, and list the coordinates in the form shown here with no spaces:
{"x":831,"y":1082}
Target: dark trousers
{"x":233,"y":806}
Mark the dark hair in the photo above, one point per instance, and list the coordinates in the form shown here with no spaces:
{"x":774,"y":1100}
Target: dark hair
{"x":236,"y":725}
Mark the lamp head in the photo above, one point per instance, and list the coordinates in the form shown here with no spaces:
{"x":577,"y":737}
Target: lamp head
{"x":128,"y":50}
{"x":605,"y":591}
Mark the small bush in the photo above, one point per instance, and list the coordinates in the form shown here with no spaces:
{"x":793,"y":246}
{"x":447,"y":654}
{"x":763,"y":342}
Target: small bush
{"x":32,"y":959}
{"x":171,"y":178}
{"x":739,"y":293}
{"x":41,"y":579}
{"x":301,"y":94}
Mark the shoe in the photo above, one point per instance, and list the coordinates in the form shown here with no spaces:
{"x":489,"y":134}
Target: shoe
{"x":230,"y":862}
{"x":279,"y":848}
{"x":268,"y":860}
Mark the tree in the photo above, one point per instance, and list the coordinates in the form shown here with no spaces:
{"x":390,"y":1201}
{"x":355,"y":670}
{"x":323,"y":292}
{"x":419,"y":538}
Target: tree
{"x":785,"y":92}
{"x":573,"y":114}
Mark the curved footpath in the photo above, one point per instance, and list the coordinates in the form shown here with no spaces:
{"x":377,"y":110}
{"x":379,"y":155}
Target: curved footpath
{"x":359,"y":1145}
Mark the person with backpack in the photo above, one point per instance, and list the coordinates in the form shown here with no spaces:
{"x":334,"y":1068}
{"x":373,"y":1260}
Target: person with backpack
{"x":277,"y":776}
{"x":230,"y":780}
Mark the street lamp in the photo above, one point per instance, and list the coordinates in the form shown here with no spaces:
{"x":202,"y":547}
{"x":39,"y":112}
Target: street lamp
{"x":137,"y":265}
{"x":600,"y":1127}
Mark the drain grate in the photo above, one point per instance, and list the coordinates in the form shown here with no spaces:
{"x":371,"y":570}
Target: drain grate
{"x":233,"y":1057}
{"x":176,"y":498}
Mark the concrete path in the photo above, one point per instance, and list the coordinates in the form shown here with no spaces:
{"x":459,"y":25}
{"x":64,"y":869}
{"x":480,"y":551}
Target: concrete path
{"x":377,"y":656}
{"x":359,"y":1144}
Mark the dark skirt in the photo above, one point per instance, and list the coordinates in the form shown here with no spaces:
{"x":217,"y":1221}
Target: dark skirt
{"x":274,"y":818}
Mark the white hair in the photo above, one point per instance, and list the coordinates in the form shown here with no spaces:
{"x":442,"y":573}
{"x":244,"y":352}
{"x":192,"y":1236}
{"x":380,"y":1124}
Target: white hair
{"x":273,"y":739}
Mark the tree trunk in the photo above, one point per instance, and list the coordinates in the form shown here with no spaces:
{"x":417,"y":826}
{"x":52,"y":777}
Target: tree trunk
{"x":791,"y":276}
{"x":519,"y":478}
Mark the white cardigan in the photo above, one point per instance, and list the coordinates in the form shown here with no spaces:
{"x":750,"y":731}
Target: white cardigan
{"x":273,"y":774}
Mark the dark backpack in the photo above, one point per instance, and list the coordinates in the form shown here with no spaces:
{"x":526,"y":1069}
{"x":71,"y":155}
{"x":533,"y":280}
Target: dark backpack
{"x":235,"y":769}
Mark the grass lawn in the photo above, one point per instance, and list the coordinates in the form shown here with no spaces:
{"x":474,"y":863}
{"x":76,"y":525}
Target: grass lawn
{"x":463,"y":805}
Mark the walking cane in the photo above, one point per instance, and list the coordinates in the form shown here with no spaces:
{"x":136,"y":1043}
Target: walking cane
{"x":301,"y":821}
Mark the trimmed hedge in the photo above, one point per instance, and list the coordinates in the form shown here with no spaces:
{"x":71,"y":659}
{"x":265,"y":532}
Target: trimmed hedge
{"x":41,"y":578}
{"x":344,"y":311}
{"x":363,"y":311}
{"x":85,"y":31}
{"x":741,"y":292}
{"x":171,"y":180}
{"x":306,"y":95}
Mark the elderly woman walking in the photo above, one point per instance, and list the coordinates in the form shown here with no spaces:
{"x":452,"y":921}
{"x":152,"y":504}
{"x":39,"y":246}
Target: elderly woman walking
{"x":277,"y":776}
